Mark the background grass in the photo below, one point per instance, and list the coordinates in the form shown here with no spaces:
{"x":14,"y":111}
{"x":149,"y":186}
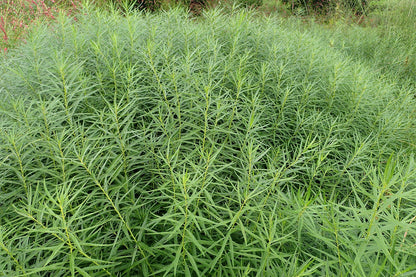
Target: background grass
{"x":384,"y":41}
{"x":155,"y":144}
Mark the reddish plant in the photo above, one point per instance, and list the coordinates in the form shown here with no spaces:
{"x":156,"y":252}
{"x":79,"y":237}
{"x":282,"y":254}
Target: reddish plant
{"x":19,"y":15}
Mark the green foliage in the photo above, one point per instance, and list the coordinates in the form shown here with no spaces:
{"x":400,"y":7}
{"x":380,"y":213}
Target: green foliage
{"x":250,"y":3}
{"x":195,"y":6}
{"x":325,"y":6}
{"x":396,"y":16}
{"x":384,"y":41}
{"x":158,"y":145}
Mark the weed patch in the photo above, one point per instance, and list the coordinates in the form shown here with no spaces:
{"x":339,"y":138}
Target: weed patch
{"x":156,"y":145}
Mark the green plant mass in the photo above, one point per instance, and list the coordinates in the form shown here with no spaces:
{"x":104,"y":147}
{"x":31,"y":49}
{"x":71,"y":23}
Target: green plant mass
{"x":227,"y":145}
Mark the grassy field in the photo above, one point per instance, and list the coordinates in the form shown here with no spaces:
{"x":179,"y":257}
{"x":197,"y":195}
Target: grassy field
{"x":232,"y":144}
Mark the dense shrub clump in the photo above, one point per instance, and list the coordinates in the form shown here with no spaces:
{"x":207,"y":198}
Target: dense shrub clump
{"x":155,"y":145}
